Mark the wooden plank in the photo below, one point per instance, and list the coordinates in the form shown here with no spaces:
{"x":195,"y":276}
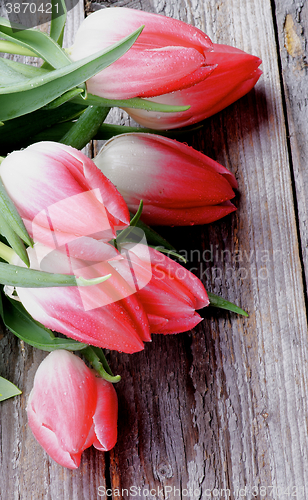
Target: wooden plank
{"x":224,"y":406}
{"x":292,"y":21}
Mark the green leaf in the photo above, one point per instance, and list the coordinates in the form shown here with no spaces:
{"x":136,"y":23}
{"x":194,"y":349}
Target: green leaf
{"x":123,"y":235}
{"x":153,"y":238}
{"x":54,"y":133}
{"x":36,"y":41}
{"x":19,"y":322}
{"x":11,"y":216}
{"x":135,"y":102}
{"x":25,"y":98}
{"x":15,"y":48}
{"x":14,"y":240}
{"x":30,"y":278}
{"x":16,"y":133}
{"x":134,"y":221}
{"x":24,"y":69}
{"x":67,"y":96}
{"x":171,"y":253}
{"x":8,"y":75}
{"x":58,"y":22}
{"x":216,"y":301}
{"x":7,"y":389}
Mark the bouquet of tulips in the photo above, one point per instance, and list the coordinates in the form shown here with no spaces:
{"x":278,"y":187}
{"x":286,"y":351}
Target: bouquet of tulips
{"x":78,"y":255}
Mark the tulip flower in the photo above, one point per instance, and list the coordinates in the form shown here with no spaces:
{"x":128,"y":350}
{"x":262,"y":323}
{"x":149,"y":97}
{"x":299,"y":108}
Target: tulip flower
{"x":235,"y":74}
{"x":172,"y":62}
{"x":69,"y":409}
{"x":178,"y":185}
{"x":167,"y":56}
{"x":63,"y":198}
{"x":173,"y":294}
{"x":107,"y":315}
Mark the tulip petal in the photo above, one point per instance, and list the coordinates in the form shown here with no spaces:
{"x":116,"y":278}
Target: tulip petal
{"x":177,"y":325}
{"x":62,"y":195}
{"x":122,"y":79}
{"x":49,"y":441}
{"x":105,"y":417}
{"x":181,"y":276}
{"x":110,"y":25}
{"x":106,"y":315}
{"x":61,"y":406}
{"x":167,"y":56}
{"x":160,"y":216}
{"x":111,"y":327}
{"x":236,"y":74}
{"x":171,"y":296}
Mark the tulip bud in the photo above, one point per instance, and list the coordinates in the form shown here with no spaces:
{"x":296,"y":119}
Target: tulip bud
{"x":168,"y":55}
{"x":235,"y":74}
{"x":63,"y":198}
{"x":107,"y":315}
{"x":179,"y":186}
{"x":171,"y":63}
{"x":69,"y":409}
{"x":173,"y":294}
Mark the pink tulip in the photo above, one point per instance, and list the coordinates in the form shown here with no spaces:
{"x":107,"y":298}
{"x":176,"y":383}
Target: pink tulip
{"x":63,"y":198}
{"x":69,"y":409}
{"x":178,"y":185}
{"x":167,"y":56}
{"x":173,"y":294}
{"x":172,"y":62}
{"x":107,"y":315}
{"x":235,"y":74}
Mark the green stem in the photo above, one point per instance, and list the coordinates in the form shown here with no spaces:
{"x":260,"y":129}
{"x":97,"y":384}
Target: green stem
{"x":15,"y":48}
{"x":98,"y":363}
{"x":7,"y":253}
{"x":86,"y":127}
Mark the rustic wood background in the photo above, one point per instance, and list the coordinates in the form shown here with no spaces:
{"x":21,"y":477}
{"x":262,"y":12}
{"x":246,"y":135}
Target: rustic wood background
{"x":223,"y":407}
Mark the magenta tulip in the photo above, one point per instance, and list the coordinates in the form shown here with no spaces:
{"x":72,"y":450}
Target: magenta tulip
{"x":173,"y":294}
{"x":107,"y":315}
{"x":235,"y":74}
{"x":63,"y":198}
{"x":69,"y":409}
{"x":178,"y":185}
{"x":168,"y":55}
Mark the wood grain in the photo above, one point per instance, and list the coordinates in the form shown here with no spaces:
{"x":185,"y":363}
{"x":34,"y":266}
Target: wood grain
{"x":291,"y":25}
{"x":223,"y":407}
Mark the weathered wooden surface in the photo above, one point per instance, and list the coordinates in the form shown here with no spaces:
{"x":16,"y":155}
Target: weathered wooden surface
{"x":223,"y":407}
